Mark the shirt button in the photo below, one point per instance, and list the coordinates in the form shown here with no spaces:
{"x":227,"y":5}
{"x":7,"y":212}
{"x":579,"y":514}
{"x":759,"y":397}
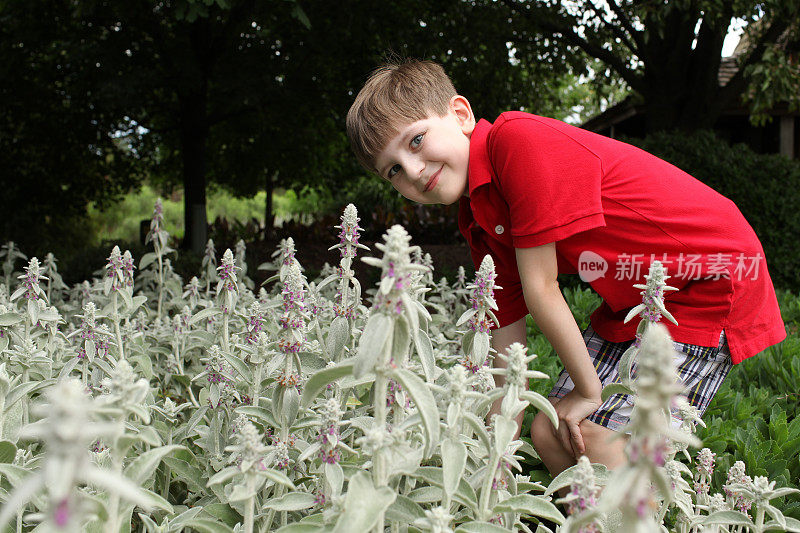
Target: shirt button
{"x":499,"y":229}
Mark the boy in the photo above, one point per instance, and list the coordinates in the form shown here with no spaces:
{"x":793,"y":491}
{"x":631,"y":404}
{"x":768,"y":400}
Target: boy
{"x":544,"y":198}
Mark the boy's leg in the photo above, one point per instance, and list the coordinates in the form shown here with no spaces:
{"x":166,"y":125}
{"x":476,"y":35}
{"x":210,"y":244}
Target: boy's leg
{"x":603,"y":445}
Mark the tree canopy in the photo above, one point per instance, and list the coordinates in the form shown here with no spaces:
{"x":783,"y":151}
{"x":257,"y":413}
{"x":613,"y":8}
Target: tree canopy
{"x":251,"y":95}
{"x":669,"y":52}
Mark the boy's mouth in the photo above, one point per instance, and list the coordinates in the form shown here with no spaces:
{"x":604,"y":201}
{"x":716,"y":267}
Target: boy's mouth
{"x":432,"y":182}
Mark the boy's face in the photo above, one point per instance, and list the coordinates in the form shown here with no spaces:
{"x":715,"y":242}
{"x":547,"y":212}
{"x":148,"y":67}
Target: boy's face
{"x":428,"y":160}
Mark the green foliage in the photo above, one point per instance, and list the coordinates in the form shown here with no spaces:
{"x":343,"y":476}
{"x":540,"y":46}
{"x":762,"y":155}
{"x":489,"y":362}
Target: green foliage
{"x":120,"y":222}
{"x":753,"y":418}
{"x":667,"y":52}
{"x":764,"y":187}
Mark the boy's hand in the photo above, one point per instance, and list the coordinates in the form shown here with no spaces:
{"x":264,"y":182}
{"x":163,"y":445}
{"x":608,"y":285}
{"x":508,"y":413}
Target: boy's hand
{"x":572,"y":409}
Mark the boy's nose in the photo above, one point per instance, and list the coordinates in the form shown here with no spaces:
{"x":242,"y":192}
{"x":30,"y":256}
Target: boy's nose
{"x":416,"y":170}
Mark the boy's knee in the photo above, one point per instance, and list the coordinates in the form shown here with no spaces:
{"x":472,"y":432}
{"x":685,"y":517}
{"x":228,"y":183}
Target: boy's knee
{"x":594,"y":434}
{"x":542,"y":432}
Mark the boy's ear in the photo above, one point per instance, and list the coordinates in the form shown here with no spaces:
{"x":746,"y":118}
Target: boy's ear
{"x":460,"y":107}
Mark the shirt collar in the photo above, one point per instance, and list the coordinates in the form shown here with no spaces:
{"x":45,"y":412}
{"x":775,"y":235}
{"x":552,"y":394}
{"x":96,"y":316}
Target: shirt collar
{"x":480,"y":168}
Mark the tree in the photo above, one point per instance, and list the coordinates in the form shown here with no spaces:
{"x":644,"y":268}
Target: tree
{"x":668,"y":52}
{"x":57,"y":150}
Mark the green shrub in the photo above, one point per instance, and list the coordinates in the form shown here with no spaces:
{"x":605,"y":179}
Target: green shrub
{"x":764,"y":187}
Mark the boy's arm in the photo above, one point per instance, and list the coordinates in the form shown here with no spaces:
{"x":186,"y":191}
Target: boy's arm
{"x":538,"y":270}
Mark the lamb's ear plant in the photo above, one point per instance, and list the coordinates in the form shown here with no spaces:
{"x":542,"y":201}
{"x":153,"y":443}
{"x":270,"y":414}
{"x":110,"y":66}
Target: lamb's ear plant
{"x":73,"y":420}
{"x":10,"y":253}
{"x":299,"y":409}
{"x":651,"y":310}
{"x":480,"y":316}
{"x":160,"y":239}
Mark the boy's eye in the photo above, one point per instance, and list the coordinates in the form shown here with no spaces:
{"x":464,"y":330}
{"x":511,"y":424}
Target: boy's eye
{"x":417,"y":140}
{"x":392,"y":171}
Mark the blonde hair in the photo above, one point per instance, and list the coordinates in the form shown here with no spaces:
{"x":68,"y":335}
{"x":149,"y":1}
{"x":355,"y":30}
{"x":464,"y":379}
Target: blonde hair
{"x":395,"y":94}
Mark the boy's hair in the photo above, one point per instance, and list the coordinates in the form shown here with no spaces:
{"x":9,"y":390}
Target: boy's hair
{"x":395,"y":94}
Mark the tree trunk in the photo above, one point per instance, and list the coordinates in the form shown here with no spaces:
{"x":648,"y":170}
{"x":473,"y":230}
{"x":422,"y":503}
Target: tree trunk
{"x":194,"y":136}
{"x":269,"y":215}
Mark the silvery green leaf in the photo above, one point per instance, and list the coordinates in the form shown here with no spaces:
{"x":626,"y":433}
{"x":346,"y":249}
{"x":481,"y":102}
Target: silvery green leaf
{"x":633,"y":312}
{"x":479,"y":427}
{"x":405,"y":460}
{"x":465,"y":493}
{"x":504,"y":429}
{"x":783,"y":491}
{"x":260,"y":413}
{"x":776,"y":515}
{"x":299,"y":527}
{"x":792,"y":525}
{"x":192,"y":476}
{"x":425,"y":352}
{"x":277,"y":477}
{"x":23,"y":390}
{"x":308,"y":452}
{"x":479,"y":527}
{"x":223,"y":475}
{"x":242,"y":492}
{"x":480,"y":346}
{"x":376,"y":335}
{"x":386,"y":285}
{"x":424,"y":402}
{"x":421,"y":309}
{"x":214,"y":394}
{"x":291,"y":405}
{"x":33,"y":311}
{"x":615,"y":388}
{"x":21,"y":495}
{"x":526,"y":504}
{"x":732,"y":518}
{"x":454,"y":459}
{"x":453,"y":415}
{"x":542,"y":404}
{"x":338,"y":334}
{"x":292,"y":501}
{"x":206,"y":525}
{"x":400,"y":339}
{"x":564,"y":479}
{"x":469,"y":313}
{"x":126,"y":489}
{"x":426,"y":494}
{"x":146,"y":259}
{"x":410,"y":311}
{"x":204,"y":314}
{"x":404,"y":510}
{"x":136,"y":302}
{"x":467,"y":341}
{"x":363,"y":504}
{"x":9,"y":319}
{"x":238,"y":365}
{"x":149,"y":524}
{"x":126,"y":297}
{"x":335,"y":477}
{"x":8,"y":451}
{"x":148,"y":434}
{"x":146,"y":463}
{"x":626,"y":364}
{"x":222,"y":512}
{"x":19,"y":292}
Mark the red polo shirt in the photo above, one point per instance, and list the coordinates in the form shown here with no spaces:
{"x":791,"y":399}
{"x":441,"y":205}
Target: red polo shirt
{"x":535,"y":180}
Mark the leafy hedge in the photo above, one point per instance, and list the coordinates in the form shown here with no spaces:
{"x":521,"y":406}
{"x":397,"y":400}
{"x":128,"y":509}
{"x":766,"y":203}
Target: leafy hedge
{"x":765,"y":187}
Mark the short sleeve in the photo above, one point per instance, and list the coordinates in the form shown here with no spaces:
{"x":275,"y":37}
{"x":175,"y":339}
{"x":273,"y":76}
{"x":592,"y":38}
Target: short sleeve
{"x":550,"y":181}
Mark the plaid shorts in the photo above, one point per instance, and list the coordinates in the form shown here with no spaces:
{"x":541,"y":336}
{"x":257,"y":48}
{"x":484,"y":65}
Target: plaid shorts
{"x":701,"y":370}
